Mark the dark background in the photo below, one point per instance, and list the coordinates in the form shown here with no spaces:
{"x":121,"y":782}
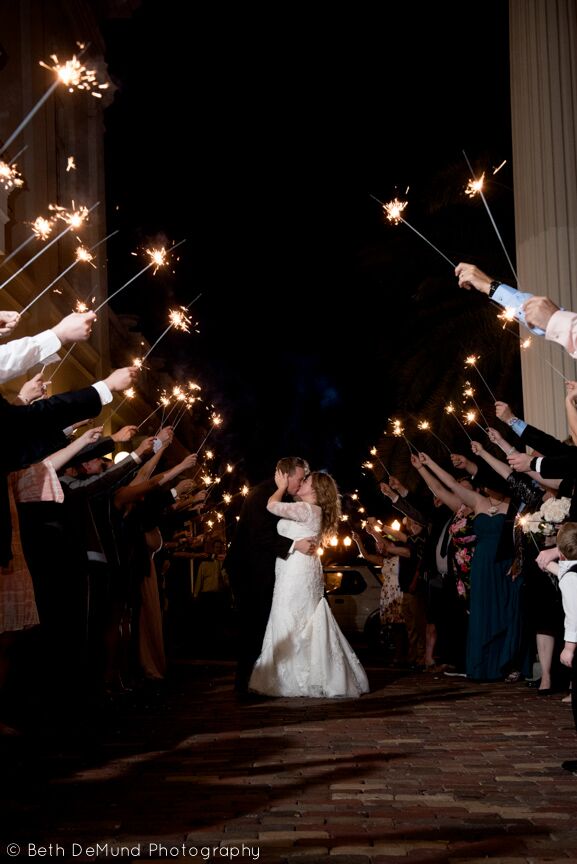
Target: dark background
{"x":259,"y":136}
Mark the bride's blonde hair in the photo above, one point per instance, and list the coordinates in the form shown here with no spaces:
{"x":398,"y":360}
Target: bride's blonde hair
{"x":328,"y":499}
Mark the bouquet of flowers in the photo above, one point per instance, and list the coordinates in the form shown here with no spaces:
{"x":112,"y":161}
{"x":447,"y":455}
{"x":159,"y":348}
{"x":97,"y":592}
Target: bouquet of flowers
{"x":545,"y":521}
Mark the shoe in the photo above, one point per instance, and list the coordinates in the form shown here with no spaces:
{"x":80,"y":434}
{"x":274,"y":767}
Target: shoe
{"x":567,"y":698}
{"x":534,"y":684}
{"x":570,"y":765}
{"x":546,"y":691}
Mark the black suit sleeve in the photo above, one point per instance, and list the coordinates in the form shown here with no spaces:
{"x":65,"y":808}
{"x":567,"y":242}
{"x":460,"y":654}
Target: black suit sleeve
{"x":555,"y":467}
{"x":544,"y":443}
{"x":28,"y":430}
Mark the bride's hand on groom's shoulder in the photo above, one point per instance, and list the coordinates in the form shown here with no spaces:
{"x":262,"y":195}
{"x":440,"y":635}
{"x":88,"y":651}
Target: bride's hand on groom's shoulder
{"x":281,"y":480}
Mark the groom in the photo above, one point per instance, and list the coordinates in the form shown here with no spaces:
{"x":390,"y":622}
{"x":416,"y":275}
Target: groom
{"x":250,"y":563}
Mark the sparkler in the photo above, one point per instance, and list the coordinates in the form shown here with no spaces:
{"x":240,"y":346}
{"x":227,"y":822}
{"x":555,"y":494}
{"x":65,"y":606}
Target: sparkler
{"x":399,"y":432}
{"x":558,"y":371}
{"x":479,"y":185}
{"x":68,"y":228}
{"x":469,"y":393}
{"x":157,"y":259}
{"x":178,"y":319}
{"x":393,"y":211}
{"x":522,"y":520}
{"x":148,"y":416}
{"x":10,"y":177}
{"x":82,"y":255}
{"x":425,"y":426}
{"x":73,"y":75}
{"x":471,"y":417}
{"x":216,"y":421}
{"x":450,"y":409}
{"x":373,"y":452}
{"x":472,"y":361}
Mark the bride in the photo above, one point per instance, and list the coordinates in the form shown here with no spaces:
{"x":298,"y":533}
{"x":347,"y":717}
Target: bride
{"x":304,"y":652}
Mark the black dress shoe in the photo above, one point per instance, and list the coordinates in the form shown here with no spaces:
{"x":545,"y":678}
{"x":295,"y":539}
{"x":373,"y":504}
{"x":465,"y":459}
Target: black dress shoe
{"x":534,"y":684}
{"x":570,"y":765}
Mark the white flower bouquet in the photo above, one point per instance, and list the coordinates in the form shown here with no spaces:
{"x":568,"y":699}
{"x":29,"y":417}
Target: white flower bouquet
{"x":547,"y":519}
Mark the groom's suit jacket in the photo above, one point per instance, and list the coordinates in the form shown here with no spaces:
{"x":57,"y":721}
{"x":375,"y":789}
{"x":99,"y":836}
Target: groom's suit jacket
{"x":250,"y":562}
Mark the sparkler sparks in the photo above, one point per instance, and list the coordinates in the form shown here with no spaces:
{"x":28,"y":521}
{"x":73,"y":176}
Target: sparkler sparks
{"x":157,"y":257}
{"x":471,"y":360}
{"x":10,"y":177}
{"x":75,"y":76}
{"x":85,"y":255}
{"x":80,"y":306}
{"x":393,"y":211}
{"x":450,"y":409}
{"x":75,"y":218}
{"x":179,"y":319}
{"x":42,"y":228}
{"x":469,"y":393}
{"x":425,"y":426}
{"x":70,"y":164}
{"x":475,"y":187}
{"x":130,"y":393}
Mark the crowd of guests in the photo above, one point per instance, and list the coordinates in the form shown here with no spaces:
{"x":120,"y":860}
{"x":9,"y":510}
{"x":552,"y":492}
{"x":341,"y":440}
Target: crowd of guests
{"x":81,"y":567}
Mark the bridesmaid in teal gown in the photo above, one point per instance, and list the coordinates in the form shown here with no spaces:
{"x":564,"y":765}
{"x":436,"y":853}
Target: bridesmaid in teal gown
{"x":494,"y":606}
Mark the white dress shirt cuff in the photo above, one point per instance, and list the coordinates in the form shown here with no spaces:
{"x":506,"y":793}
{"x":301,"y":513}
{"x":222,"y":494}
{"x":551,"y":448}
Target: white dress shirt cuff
{"x":561,"y":328}
{"x":136,"y":457}
{"x":48,"y":342}
{"x":103,"y":391}
{"x":538,"y":464}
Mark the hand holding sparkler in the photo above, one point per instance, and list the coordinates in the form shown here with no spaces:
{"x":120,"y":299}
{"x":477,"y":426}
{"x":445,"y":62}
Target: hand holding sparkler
{"x":121,"y":379}
{"x":496,"y":438}
{"x":463,"y":464}
{"x":470,"y":276}
{"x":8,"y":321}
{"x":76,"y":327}
{"x":33,"y":389}
{"x":503,"y":412}
{"x":477,"y":448}
{"x":538,"y":311}
{"x":126,"y":433}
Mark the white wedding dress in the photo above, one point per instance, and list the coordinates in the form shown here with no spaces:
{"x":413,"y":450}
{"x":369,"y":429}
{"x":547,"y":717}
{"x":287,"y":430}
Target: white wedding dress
{"x":304,"y":652}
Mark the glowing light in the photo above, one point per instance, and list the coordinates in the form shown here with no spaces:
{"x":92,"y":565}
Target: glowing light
{"x":157,"y":257}
{"x":526,"y":343}
{"x":244,"y":490}
{"x":130,"y":393}
{"x":75,"y":218}
{"x":393,"y":210}
{"x":396,"y":525}
{"x":179,"y":319}
{"x":471,"y":360}
{"x":423,"y":425}
{"x":85,"y":255}
{"x":498,"y":168}
{"x":229,"y":468}
{"x":70,"y":164}
{"x":81,"y":306}
{"x":10,"y":177}
{"x":216,"y":419}
{"x":449,"y":408}
{"x":334,"y":541}
{"x":470,"y":417}
{"x":209,"y":454}
{"x":507,"y":315}
{"x":368,"y":465}
{"x":475,"y":187}
{"x":347,"y":541}
{"x":75,"y":76}
{"x":373,"y":451}
{"x":227,"y":497}
{"x":320,"y":551}
{"x":41,"y":228}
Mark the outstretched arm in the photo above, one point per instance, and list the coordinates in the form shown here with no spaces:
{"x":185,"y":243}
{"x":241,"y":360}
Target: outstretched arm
{"x":501,"y":468}
{"x":437,"y":488}
{"x":466,"y":496}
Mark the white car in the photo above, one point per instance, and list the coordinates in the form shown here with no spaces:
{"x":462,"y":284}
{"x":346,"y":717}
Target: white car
{"x":353,"y":592}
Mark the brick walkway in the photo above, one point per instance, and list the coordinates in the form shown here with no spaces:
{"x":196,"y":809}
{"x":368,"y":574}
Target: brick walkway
{"x":425,"y":768}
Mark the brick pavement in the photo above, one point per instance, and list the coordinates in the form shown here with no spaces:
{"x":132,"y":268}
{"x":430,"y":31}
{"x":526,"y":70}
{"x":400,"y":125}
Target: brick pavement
{"x":423,"y":769}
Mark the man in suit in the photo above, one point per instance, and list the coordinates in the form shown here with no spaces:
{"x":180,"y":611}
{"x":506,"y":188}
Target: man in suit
{"x":250,"y":563}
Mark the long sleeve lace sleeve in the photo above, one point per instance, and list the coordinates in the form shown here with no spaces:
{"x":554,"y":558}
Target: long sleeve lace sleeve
{"x":299,"y":511}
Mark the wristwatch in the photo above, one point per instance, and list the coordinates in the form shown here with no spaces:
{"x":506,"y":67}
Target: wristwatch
{"x":512,"y":421}
{"x":493,"y":287}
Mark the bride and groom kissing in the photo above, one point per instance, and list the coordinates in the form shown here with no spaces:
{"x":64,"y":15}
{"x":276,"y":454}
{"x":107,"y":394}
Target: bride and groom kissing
{"x":290,"y":643}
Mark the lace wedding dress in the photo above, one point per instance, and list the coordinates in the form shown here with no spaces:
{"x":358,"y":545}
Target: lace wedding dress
{"x":304,"y":652}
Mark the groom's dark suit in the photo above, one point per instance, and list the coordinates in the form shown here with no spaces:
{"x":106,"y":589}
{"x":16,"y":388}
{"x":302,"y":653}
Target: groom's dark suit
{"x":250,"y":565}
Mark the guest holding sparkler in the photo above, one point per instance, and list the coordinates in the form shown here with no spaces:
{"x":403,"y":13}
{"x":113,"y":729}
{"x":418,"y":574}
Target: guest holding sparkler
{"x":18,"y":355}
{"x":539,"y":314}
{"x":493,"y":638}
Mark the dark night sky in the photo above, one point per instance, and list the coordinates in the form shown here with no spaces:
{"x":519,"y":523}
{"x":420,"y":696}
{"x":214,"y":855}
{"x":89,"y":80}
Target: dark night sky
{"x":291,"y":122}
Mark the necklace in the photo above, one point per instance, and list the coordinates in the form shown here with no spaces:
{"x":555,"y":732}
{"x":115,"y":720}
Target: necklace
{"x":494,"y":508}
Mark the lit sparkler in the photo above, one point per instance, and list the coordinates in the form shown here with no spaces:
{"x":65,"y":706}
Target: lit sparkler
{"x":472,"y":361}
{"x":470,"y":417}
{"x":475,"y":187}
{"x":425,"y":426}
{"x":494,"y":224}
{"x":10,"y":177}
{"x":373,"y":451}
{"x":216,"y":420}
{"x":450,"y":409}
{"x":399,"y":432}
{"x":41,"y":230}
{"x":157,"y":259}
{"x":393,"y":212}
{"x":80,"y":258}
{"x":70,"y":164}
{"x":469,"y":393}
{"x":43,"y":250}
